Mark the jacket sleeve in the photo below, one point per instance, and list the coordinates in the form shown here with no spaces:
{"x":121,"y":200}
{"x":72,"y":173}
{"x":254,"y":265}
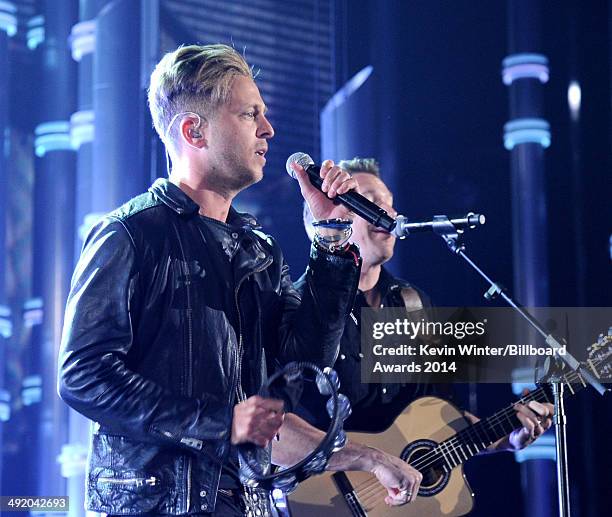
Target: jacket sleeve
{"x":313,"y":321}
{"x":93,"y":376}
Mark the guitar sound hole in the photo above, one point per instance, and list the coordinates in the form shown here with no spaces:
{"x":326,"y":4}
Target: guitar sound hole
{"x":419,"y":455}
{"x":432,"y":475}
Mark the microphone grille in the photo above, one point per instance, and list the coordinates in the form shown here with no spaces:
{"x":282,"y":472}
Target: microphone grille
{"x":301,"y":159}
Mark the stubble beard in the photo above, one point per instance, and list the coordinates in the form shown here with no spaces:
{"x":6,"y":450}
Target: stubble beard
{"x":234,"y":177}
{"x":379,"y":254}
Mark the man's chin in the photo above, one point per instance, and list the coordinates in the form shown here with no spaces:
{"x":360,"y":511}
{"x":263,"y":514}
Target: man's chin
{"x":258,"y":175}
{"x":386,"y":253}
{"x":385,"y":258}
{"x":249,"y":178}
{"x":379,"y":258}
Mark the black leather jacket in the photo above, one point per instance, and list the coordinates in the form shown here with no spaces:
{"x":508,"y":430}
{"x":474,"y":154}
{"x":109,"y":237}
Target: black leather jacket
{"x":149,"y":354}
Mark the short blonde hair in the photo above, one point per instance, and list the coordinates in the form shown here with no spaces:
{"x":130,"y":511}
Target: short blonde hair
{"x":361,"y":165}
{"x":195,"y":78}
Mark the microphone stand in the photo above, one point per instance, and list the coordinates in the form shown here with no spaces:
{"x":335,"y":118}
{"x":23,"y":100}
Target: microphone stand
{"x":452,"y":236}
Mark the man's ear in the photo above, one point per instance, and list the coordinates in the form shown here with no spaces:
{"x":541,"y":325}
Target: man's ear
{"x":193,"y":131}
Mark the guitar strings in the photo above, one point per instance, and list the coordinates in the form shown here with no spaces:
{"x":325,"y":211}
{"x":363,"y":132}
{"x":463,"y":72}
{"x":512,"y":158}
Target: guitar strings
{"x":476,"y":431}
{"x":506,"y":414}
{"x":374,"y":494}
{"x":364,"y":490}
{"x":494,"y":420}
{"x":369,"y":496}
{"x":371,"y":493}
{"x":370,"y":490}
{"x":449,"y":445}
{"x":422,"y":461}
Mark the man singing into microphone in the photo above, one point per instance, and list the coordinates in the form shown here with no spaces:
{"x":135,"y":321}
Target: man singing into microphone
{"x":179,"y":303}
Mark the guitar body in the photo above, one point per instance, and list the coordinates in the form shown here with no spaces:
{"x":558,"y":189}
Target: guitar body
{"x":435,"y":438}
{"x":427,"y":418}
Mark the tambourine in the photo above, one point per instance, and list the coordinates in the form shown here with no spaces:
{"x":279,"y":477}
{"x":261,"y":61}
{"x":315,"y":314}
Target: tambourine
{"x":286,"y":385}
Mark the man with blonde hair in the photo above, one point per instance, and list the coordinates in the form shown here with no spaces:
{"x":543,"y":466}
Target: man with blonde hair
{"x":179,"y":304}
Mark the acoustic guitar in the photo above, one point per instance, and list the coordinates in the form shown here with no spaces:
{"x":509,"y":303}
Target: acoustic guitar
{"x":434,"y":437}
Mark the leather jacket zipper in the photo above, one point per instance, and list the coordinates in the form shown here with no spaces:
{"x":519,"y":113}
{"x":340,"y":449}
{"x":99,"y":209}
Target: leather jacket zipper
{"x":150,"y":481}
{"x":188,"y":482}
{"x":189,"y":365}
{"x":240,"y":395}
{"x":239,"y":352}
{"x":189,"y":380}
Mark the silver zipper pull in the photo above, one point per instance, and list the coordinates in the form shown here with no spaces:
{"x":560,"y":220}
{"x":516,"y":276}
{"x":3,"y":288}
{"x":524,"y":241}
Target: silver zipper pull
{"x":138,"y":482}
{"x":192,"y":442}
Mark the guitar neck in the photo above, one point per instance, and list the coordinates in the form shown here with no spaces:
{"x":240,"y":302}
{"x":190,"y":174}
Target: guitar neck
{"x":477,"y":437}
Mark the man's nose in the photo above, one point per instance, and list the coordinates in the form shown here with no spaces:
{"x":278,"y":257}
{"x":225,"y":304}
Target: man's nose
{"x":265,"y":129}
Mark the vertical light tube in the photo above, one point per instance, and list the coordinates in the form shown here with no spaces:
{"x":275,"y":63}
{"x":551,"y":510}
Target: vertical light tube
{"x":526,"y":136}
{"x":53,"y":231}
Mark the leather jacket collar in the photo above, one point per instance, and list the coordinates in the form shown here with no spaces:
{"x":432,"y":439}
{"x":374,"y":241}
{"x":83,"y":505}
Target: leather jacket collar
{"x":174,"y":198}
{"x":387,"y":282}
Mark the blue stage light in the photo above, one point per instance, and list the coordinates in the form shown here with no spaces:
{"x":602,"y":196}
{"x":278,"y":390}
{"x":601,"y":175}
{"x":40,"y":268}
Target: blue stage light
{"x":525,"y":66}
{"x":526,"y":130}
{"x":33,"y":312}
{"x":6,"y":322}
{"x":31,"y":390}
{"x":73,"y":459}
{"x":5,"y":406}
{"x":52,"y":136}
{"x":543,"y":449}
{"x":36,"y":31}
{"x":83,"y":39}
{"x":522,"y":378}
{"x":8,"y":18}
{"x":82,"y":128}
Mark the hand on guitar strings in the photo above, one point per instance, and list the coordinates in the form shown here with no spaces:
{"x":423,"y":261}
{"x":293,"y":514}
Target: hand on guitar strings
{"x":535,"y":417}
{"x":400,"y":479}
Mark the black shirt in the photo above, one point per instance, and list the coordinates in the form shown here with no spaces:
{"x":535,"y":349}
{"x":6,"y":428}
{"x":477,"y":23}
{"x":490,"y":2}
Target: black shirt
{"x":225,"y":240}
{"x":374,"y":406}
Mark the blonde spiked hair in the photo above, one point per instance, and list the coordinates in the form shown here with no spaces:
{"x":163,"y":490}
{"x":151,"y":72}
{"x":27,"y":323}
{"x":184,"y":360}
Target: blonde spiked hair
{"x":193,"y":78}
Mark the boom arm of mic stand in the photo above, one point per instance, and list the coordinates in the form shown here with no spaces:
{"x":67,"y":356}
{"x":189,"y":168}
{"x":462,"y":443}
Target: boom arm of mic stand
{"x":451,"y":236}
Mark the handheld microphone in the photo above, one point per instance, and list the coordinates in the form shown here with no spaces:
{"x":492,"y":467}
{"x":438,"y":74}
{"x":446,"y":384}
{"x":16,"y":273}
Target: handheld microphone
{"x":360,"y":205}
